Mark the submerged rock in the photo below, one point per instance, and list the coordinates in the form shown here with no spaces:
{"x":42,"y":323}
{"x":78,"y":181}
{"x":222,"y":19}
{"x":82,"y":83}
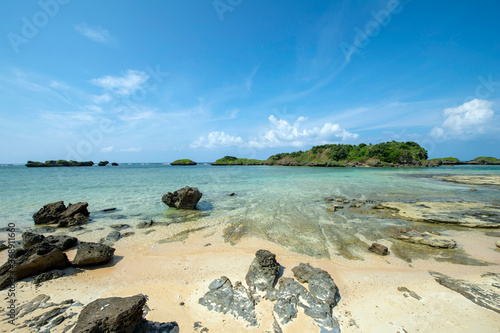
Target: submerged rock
{"x":434,"y":239}
{"x":379,"y":249}
{"x":93,"y":254}
{"x":223,"y":297}
{"x":263,"y":272}
{"x":184,"y":198}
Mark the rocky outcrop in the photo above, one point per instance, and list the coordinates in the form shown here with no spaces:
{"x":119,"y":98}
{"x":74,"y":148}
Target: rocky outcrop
{"x":58,"y":213}
{"x":485,"y":294}
{"x":379,"y":249}
{"x":93,"y":254}
{"x":39,"y":258}
{"x":223,"y":297}
{"x":184,"y":198}
{"x":60,"y":242}
{"x":113,"y":314}
{"x":31,"y":238}
{"x":433,"y":239}
{"x":263,"y":272}
{"x":103,"y":163}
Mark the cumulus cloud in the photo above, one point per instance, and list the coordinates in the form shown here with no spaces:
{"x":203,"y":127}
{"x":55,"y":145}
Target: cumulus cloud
{"x":97,"y":34}
{"x":131,"y":150}
{"x":467,"y":120}
{"x":217,"y":139}
{"x":128,"y":83}
{"x":284,"y":134}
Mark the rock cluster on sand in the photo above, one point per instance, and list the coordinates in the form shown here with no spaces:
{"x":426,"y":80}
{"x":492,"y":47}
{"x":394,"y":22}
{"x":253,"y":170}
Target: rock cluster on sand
{"x":184,"y":198}
{"x":119,"y":315}
{"x":317,"y":301}
{"x":45,"y":253}
{"x":58,"y":213}
{"x":433,"y":239}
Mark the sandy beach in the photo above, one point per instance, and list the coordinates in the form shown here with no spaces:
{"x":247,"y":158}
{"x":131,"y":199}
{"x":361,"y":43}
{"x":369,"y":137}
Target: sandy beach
{"x":171,"y":273}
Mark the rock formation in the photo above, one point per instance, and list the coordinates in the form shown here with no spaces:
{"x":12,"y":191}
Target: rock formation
{"x":184,"y":198}
{"x":93,"y":254}
{"x":58,"y":213}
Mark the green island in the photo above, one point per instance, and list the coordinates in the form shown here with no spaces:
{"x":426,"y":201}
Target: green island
{"x":103,"y":163}
{"x":184,"y":161}
{"x":58,"y":163}
{"x":231,"y":160}
{"x":385,"y":154}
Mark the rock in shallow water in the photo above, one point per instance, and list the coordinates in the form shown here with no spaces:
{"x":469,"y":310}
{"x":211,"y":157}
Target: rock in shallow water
{"x":58,"y":213}
{"x":184,"y":198}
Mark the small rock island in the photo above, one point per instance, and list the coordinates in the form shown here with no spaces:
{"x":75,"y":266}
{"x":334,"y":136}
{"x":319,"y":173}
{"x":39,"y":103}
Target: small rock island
{"x":183,"y":162}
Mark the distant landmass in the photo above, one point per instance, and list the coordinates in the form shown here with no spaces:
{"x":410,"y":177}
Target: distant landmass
{"x":183,"y":162}
{"x":385,"y":154}
{"x":58,"y":163}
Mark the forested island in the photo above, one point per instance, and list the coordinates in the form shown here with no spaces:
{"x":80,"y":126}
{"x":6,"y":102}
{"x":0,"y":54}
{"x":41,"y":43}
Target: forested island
{"x":183,"y":162}
{"x":385,"y":154}
{"x":58,"y":163}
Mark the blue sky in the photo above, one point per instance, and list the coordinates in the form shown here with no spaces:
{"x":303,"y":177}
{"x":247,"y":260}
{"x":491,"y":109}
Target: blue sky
{"x":153,"y":81}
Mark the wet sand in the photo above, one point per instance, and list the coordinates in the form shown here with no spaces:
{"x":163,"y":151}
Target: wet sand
{"x":175,"y":272}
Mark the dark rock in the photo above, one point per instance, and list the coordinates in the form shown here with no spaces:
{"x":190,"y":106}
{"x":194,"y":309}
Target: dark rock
{"x":44,"y":318}
{"x":103,"y":163}
{"x":321,"y":284}
{"x":58,"y":320}
{"x":62,"y":242}
{"x":114,"y":314}
{"x":48,"y":276}
{"x":433,"y":239}
{"x":473,"y":189}
{"x":379,"y":249}
{"x":39,"y":258}
{"x":107,"y":210}
{"x":231,"y":194}
{"x":31,"y":238}
{"x":3,"y":246}
{"x":93,"y":254}
{"x":263,"y":272}
{"x":145,"y":224}
{"x":286,"y":306}
{"x":119,"y":226}
{"x":485,"y":294}
{"x":75,"y":228}
{"x":128,"y":233}
{"x":222,"y":297}
{"x":49,"y":213}
{"x":184,"y":198}
{"x":114,"y":164}
{"x":113,"y":236}
{"x":199,"y":328}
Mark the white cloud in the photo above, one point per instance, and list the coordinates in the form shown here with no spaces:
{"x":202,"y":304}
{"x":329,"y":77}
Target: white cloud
{"x":107,"y":149}
{"x":467,"y":120}
{"x":128,"y":83}
{"x":97,"y":34}
{"x":101,"y":99}
{"x":131,"y":150}
{"x":286,"y":134}
{"x":249,"y":80}
{"x":217,"y":139}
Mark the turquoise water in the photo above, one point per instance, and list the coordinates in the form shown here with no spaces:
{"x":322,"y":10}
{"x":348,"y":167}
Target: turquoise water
{"x":283,"y":204}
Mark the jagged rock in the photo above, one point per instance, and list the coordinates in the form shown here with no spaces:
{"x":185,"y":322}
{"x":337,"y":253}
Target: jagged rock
{"x":48,"y":276}
{"x":379,"y":249}
{"x":222,"y":297}
{"x":199,"y":328}
{"x":39,"y":258}
{"x":114,"y":314}
{"x":145,"y":224}
{"x":57,"y":213}
{"x":119,"y":226}
{"x":93,"y":254}
{"x":231,"y":194}
{"x":486,"y":294}
{"x":61,"y":242}
{"x":321,"y":284}
{"x":31,"y":238}
{"x":263,"y":272}
{"x":413,"y":235}
{"x":184,"y":198}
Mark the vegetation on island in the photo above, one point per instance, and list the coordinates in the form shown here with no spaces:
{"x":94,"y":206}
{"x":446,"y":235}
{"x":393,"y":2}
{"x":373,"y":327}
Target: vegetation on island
{"x":58,"y":163}
{"x":382,"y":154}
{"x":184,"y":161}
{"x":446,"y":160}
{"x":231,"y":160}
{"x":103,"y":163}
{"x":485,"y":160}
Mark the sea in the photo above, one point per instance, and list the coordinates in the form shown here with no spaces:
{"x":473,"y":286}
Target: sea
{"x":285,"y":205}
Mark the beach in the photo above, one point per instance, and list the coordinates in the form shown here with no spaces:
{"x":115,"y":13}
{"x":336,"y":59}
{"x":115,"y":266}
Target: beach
{"x":174,"y":260}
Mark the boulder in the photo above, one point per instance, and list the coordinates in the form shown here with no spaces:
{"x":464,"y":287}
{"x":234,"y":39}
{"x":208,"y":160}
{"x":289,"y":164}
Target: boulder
{"x":93,"y":254}
{"x":379,"y":249}
{"x":39,"y":258}
{"x":49,"y":213}
{"x":62,"y":242}
{"x":58,"y":213}
{"x":184,"y":198}
{"x":113,"y":314}
{"x":321,"y":284}
{"x":223,"y":297}
{"x":263,"y":272}
{"x":31,"y":238}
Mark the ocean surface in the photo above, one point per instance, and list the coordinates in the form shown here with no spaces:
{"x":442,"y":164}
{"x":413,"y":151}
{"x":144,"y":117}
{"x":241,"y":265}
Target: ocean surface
{"x":282,"y":204}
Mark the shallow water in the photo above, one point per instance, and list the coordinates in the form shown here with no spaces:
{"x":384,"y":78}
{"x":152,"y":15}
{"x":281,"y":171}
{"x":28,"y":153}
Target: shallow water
{"x":282,"y":204}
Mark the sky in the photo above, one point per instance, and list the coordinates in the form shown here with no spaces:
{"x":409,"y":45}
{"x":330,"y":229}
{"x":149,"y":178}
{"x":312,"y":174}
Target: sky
{"x":155,"y":81}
